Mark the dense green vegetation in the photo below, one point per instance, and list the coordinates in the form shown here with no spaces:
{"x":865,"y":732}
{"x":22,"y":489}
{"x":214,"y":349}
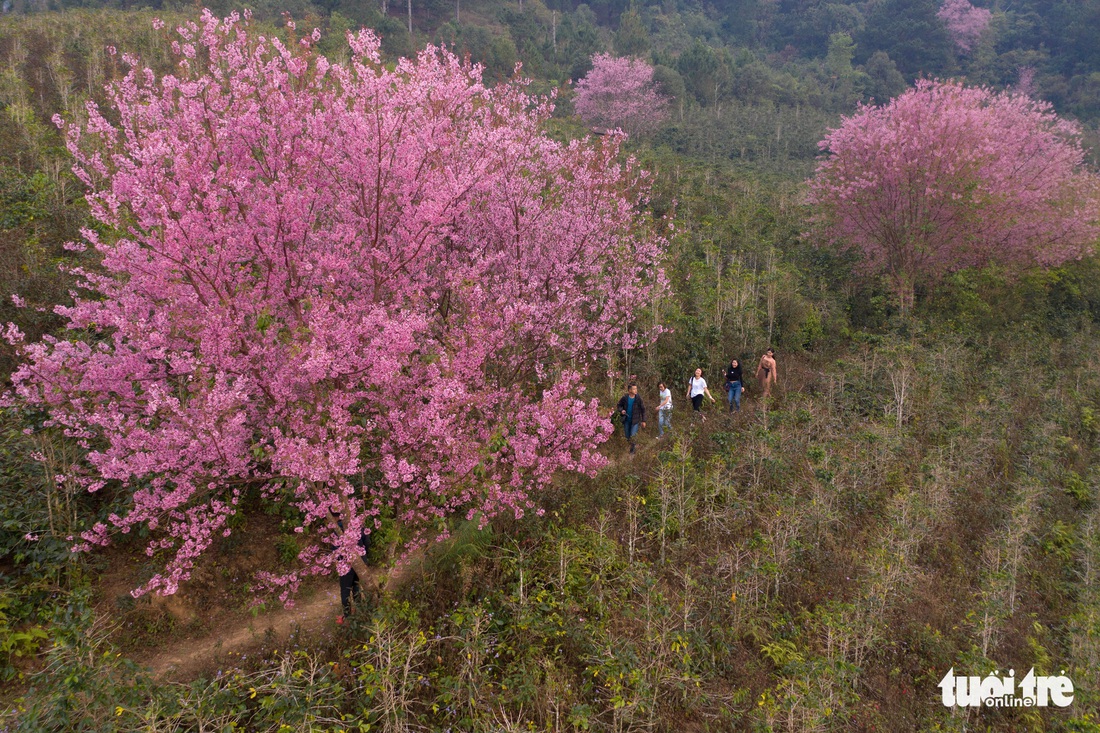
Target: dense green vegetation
{"x":749,"y":48}
{"x":922,"y":494}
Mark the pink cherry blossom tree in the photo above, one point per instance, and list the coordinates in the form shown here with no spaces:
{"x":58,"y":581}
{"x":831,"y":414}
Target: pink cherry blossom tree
{"x":619,"y":93}
{"x":340,"y":287}
{"x":946,"y":177}
{"x":1025,"y":81}
{"x":964,"y":22}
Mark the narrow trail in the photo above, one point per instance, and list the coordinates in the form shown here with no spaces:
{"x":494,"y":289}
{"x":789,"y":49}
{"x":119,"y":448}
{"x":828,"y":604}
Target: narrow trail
{"x":234,"y":637}
{"x":188,"y":658}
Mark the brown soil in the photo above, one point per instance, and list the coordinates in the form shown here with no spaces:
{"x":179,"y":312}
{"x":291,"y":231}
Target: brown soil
{"x":313,"y":615}
{"x":234,"y":638}
{"x":207,"y":625}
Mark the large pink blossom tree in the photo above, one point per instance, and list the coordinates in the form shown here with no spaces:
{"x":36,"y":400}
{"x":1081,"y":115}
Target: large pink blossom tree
{"x":964,"y":22}
{"x":619,"y":93}
{"x":346,"y":288}
{"x":946,"y":177}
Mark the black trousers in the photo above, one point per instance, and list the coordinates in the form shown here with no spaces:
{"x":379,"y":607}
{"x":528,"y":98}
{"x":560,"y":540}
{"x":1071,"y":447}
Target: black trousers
{"x":349,"y":588}
{"x":349,"y":581}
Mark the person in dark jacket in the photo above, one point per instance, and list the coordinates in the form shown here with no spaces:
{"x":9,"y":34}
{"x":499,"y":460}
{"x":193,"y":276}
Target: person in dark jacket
{"x":632,"y":411}
{"x":349,"y":581}
{"x":735,"y":385}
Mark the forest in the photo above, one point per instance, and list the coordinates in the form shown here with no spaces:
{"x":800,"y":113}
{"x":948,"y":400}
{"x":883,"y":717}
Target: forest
{"x":292,"y":291}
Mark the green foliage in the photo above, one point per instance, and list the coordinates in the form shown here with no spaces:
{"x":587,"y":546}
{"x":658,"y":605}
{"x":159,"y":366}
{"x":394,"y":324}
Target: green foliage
{"x":912,"y":35}
{"x":705,"y":72}
{"x":465,"y":547}
{"x":287,"y":549}
{"x":37,"y":513}
{"x":83,"y":681}
{"x":17,"y":642}
{"x":1076,"y":487}
{"x":1061,"y":541}
{"x":631,"y":38}
{"x":842,"y":50}
{"x":884,"y":81}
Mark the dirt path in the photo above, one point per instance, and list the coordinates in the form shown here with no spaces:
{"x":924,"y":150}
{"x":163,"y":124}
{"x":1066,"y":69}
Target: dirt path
{"x":240,"y":634}
{"x":189,"y":658}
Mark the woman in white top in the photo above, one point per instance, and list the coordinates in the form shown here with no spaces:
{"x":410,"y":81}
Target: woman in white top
{"x":697,"y":387}
{"x":664,"y":410}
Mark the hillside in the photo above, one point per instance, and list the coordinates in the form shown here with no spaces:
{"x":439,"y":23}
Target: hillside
{"x":919,"y":495}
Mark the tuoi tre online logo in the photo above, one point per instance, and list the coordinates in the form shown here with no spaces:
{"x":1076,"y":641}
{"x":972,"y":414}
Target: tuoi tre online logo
{"x":1006,"y":692}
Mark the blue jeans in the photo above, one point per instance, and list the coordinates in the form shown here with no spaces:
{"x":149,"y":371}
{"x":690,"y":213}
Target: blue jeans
{"x":733,"y":395}
{"x":630,"y":430}
{"x":664,"y":421}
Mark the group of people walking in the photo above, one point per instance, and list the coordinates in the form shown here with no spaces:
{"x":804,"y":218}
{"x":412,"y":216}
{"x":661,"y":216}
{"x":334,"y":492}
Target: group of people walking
{"x":631,"y":408}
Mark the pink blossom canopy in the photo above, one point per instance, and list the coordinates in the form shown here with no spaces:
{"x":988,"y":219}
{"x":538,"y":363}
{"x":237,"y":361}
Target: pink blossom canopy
{"x":946,"y":177}
{"x":964,"y":22}
{"x":341,"y":287}
{"x":619,"y":93}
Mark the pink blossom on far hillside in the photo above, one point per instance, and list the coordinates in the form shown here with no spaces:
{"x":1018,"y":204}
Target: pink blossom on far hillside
{"x":345,"y":288}
{"x":946,"y":177}
{"x":619,"y":93}
{"x":964,"y":22}
{"x":1025,"y":81}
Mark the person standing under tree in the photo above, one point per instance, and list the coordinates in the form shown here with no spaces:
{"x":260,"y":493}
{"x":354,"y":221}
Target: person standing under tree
{"x":767,"y":373}
{"x":632,"y":411}
{"x":697,"y":387}
{"x":735,"y":385}
{"x":664,"y":410}
{"x":349,"y":581}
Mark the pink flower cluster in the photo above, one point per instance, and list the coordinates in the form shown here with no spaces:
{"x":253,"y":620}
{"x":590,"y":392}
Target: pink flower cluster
{"x":946,"y":177}
{"x":342,"y":287}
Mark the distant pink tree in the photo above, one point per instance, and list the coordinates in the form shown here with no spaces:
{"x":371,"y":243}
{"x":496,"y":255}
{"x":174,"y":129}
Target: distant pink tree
{"x":1025,"y":81}
{"x":946,"y":177}
{"x":964,"y":22}
{"x":619,"y":93}
{"x":342,"y":288}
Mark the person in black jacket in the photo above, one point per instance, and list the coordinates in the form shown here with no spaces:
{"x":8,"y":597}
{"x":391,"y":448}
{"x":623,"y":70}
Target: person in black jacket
{"x":349,"y":581}
{"x":735,"y":385}
{"x":632,"y":411}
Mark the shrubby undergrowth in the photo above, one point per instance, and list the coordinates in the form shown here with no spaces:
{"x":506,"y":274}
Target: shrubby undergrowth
{"x":908,"y":505}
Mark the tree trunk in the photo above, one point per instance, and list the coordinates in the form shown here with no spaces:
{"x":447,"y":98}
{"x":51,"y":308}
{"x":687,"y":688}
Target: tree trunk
{"x":771,"y":294}
{"x":360,"y":567}
{"x":904,"y":290}
{"x":357,"y":563}
{"x":458,"y":17}
{"x":410,"y":17}
{"x":718,"y":299}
